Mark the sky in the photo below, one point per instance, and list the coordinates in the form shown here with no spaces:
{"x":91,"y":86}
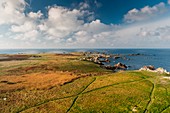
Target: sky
{"x":84,"y":24}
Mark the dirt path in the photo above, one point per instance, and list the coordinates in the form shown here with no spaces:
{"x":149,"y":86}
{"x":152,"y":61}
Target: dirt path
{"x":151,"y":97}
{"x":54,"y":99}
{"x":113,"y":85}
{"x":77,"y":95}
{"x":165,"y":109}
{"x":80,"y":94}
{"x":168,"y":101}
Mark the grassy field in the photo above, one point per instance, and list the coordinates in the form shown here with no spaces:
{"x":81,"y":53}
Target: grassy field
{"x":53,"y":83}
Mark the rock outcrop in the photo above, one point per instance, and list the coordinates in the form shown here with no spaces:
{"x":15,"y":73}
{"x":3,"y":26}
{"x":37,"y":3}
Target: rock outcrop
{"x":162,"y":71}
{"x":152,"y":69}
{"x":120,"y":66}
{"x":108,"y":67}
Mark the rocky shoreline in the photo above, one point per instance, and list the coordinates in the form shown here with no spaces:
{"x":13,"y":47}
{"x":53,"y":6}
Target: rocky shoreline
{"x":152,"y":69}
{"x":102,"y":58}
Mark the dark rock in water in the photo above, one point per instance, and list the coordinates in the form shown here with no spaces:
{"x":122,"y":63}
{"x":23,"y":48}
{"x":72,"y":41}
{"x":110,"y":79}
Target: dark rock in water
{"x":108,"y":67}
{"x":116,"y":66}
{"x":120,"y":66}
{"x":105,"y":60}
{"x":122,"y":57}
{"x":138,"y":54}
{"x":116,"y":57}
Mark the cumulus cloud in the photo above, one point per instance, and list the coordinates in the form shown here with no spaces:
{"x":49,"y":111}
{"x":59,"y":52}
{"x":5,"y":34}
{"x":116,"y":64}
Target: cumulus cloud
{"x":96,"y":27}
{"x":29,"y":29}
{"x":27,"y":26}
{"x":145,"y":13}
{"x":94,"y":33}
{"x":68,"y":26}
{"x":161,"y":33}
{"x":30,"y":35}
{"x":61,"y":22}
{"x":62,"y":25}
{"x":21,"y":26}
{"x":12,"y":11}
{"x":34,"y":15}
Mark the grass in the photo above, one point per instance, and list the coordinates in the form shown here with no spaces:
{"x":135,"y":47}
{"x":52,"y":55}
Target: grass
{"x":121,"y":98}
{"x":59,"y":106}
{"x":115,"y":79}
{"x":161,"y":96}
{"x":62,"y":83}
{"x":49,"y":63}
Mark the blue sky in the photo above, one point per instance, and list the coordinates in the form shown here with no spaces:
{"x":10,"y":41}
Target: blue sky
{"x":84,"y":24}
{"x":110,"y":11}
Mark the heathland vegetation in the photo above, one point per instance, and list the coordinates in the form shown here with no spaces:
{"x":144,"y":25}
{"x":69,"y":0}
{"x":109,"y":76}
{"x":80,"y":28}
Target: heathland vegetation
{"x":61,"y":83}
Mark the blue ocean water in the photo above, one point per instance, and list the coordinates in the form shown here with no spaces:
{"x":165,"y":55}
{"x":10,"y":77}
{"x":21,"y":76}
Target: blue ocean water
{"x":155,"y":57}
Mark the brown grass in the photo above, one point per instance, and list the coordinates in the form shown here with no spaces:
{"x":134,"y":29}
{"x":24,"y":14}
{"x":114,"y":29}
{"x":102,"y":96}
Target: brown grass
{"x":34,"y":81}
{"x":14,"y":57}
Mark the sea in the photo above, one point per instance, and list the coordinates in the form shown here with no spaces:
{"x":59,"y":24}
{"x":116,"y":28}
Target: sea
{"x":155,"y":57}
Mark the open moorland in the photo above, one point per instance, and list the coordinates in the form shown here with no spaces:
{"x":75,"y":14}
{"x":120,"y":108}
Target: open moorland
{"x":61,"y":83}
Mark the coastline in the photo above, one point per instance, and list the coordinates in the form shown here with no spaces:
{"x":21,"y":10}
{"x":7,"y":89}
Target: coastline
{"x":103,"y":59}
{"x":155,"y":57}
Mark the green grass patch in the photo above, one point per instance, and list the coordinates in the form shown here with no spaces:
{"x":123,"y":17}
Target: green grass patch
{"x":115,"y":79}
{"x":121,"y":98}
{"x":57,"y":106}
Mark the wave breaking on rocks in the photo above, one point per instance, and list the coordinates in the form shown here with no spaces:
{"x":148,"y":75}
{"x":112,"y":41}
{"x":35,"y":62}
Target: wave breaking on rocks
{"x":152,"y":69}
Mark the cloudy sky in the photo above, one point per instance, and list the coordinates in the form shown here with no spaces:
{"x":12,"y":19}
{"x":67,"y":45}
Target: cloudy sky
{"x":84,"y":24}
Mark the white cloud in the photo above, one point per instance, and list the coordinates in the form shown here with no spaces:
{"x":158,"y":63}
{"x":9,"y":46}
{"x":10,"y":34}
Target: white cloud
{"x":29,"y":29}
{"x":21,"y":26}
{"x":153,"y":34}
{"x":60,"y":25}
{"x":168,"y":1}
{"x":161,"y":33}
{"x":83,"y":6}
{"x":1,"y":36}
{"x":27,"y":26}
{"x":85,"y":9}
{"x":42,"y":27}
{"x":145,"y":13}
{"x":96,"y":26}
{"x":94,"y":33}
{"x":92,"y":41}
{"x":12,"y":11}
{"x":61,"y":22}
{"x":34,"y":15}
{"x":31,"y":35}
